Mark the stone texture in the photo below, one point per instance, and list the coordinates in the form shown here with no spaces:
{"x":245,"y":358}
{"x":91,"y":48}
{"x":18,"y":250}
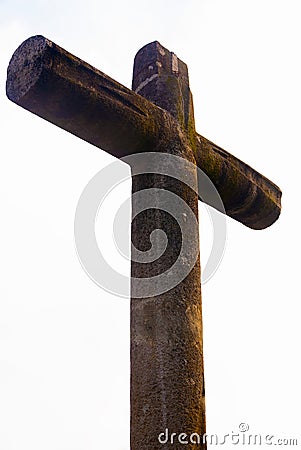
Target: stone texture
{"x":167,"y":375}
{"x":61,"y":88}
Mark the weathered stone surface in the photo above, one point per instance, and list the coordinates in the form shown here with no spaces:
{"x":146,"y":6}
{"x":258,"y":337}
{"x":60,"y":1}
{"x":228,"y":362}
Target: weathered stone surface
{"x":63,"y":89}
{"x":161,"y":77}
{"x":248,"y":196}
{"x":167,"y":376}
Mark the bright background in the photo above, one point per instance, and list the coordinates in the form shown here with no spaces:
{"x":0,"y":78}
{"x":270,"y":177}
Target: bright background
{"x":64,"y":343}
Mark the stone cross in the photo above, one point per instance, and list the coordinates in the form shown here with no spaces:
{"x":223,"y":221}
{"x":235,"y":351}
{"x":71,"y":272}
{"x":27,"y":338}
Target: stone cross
{"x":167,"y":376}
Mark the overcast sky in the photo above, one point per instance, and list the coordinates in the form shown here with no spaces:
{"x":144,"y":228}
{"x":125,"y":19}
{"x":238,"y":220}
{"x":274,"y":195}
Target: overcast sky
{"x":64,"y":343}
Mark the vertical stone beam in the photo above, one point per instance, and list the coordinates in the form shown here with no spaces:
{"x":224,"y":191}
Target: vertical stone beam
{"x":161,"y":77}
{"x":167,"y":376}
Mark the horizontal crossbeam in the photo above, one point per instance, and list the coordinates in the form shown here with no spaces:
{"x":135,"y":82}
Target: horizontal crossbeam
{"x":66,"y":91}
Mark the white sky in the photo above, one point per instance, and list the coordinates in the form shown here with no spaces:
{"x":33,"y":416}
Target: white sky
{"x":64,"y":343}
